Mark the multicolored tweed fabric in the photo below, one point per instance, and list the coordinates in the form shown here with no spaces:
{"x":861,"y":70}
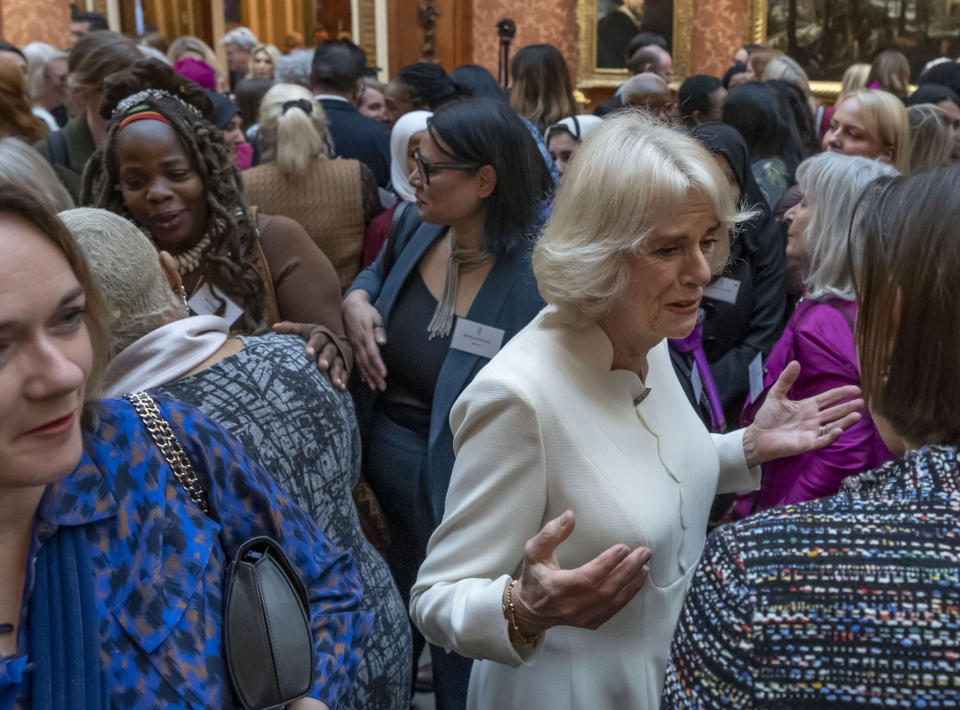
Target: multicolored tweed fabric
{"x":851,"y":601}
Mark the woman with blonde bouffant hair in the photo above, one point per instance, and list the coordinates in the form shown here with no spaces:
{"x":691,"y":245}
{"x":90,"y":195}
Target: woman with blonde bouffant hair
{"x":874,"y":124}
{"x":562,"y":566}
{"x":333,"y":200}
{"x":16,"y":118}
{"x":263,"y":62}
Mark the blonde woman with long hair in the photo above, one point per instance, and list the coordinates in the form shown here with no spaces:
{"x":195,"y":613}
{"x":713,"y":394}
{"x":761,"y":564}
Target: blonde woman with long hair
{"x":890,"y":71}
{"x":931,"y":141}
{"x":333,"y":200}
{"x":854,"y":79}
{"x":542,"y":91}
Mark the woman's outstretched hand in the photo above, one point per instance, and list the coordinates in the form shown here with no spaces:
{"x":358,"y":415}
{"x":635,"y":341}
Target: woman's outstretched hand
{"x":786,"y":427}
{"x":547,"y":595}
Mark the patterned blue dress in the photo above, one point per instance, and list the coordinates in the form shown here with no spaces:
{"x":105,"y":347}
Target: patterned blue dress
{"x":159,"y":564}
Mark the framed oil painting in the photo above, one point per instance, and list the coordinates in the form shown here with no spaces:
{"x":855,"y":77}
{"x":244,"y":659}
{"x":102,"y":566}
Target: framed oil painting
{"x":607,"y":26}
{"x":827,"y":36}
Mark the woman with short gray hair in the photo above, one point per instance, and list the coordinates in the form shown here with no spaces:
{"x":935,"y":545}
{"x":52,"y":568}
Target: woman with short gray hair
{"x":606,"y":474}
{"x":263,"y":391}
{"x":238,"y":43}
{"x":819,"y":334}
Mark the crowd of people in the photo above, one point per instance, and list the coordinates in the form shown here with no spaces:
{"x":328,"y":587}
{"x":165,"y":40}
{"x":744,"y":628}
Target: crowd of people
{"x":644,"y":407}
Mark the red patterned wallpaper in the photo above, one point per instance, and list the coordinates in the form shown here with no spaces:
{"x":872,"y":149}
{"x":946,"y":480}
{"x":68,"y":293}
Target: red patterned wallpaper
{"x":25,"y":21}
{"x":719,"y":28}
{"x":538,"y":21}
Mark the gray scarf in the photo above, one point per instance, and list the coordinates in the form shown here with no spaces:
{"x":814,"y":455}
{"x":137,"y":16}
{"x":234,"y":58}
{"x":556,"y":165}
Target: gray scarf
{"x":164,"y":355}
{"x":460,"y":259}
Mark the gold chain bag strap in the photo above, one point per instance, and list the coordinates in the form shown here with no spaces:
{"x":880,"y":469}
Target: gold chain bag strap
{"x":169,"y":445}
{"x":267,"y":634}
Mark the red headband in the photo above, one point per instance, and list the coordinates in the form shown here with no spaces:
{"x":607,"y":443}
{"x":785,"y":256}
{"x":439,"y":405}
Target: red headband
{"x":153,"y":115}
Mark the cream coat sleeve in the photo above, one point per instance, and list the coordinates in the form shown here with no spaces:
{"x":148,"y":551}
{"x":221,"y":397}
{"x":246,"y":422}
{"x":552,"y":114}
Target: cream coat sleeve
{"x":735,"y":476}
{"x":495,"y":503}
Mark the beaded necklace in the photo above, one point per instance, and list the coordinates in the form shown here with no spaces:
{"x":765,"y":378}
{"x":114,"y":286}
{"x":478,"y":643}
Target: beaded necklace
{"x":189,"y":261}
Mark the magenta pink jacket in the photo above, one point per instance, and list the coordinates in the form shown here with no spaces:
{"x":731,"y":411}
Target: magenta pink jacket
{"x":819,"y":335}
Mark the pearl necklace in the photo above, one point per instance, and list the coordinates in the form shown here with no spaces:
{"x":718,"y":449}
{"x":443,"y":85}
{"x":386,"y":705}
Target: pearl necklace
{"x":189,"y":261}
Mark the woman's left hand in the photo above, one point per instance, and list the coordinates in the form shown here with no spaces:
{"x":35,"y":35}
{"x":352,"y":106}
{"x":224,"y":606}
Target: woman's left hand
{"x":320,"y":346}
{"x":785,"y":427}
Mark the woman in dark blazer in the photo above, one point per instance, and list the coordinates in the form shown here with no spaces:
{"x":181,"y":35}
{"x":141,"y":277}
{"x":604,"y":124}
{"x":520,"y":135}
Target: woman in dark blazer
{"x":744,"y":307}
{"x":441,"y":299}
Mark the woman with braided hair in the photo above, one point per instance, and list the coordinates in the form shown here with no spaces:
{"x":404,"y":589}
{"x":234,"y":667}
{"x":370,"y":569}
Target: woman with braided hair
{"x":165,"y":167}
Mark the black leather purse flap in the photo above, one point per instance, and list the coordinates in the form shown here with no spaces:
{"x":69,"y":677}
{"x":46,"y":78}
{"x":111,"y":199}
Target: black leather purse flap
{"x":269,"y":644}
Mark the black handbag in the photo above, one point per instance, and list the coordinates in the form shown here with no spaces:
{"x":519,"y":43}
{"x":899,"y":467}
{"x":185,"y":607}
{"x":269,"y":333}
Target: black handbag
{"x":266,"y":614}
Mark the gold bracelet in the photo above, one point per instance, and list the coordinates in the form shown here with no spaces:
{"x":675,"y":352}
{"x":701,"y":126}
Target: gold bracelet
{"x":510,"y":614}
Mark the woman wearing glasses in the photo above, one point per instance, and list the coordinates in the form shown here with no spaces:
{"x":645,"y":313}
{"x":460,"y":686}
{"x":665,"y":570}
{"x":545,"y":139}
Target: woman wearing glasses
{"x":436,"y":305}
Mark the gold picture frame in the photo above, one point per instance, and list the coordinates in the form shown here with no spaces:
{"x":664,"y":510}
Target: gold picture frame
{"x":757,"y":34}
{"x":590,"y":76}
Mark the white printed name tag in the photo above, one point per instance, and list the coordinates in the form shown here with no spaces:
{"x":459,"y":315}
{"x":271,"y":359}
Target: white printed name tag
{"x":696,"y":382}
{"x":476,"y":338}
{"x":756,"y":377}
{"x":211,"y":301}
{"x":723,"y":289}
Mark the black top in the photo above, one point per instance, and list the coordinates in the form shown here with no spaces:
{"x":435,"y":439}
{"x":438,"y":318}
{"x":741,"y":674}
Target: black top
{"x":614,"y":32}
{"x":60,"y":115}
{"x":359,"y":137}
{"x":68,"y":151}
{"x":614,"y":103}
{"x":413,"y":361}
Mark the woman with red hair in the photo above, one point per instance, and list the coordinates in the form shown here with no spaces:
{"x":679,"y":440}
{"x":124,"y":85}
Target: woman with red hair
{"x":16,"y":118}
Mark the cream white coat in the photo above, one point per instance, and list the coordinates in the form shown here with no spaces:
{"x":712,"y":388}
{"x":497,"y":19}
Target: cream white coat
{"x":546,"y":426}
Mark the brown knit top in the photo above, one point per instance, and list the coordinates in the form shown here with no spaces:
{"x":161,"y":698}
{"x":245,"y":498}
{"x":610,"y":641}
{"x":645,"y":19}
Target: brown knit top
{"x":328,"y":201}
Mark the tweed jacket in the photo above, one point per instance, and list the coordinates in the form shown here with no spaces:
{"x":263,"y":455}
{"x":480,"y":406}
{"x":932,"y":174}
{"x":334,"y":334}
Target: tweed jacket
{"x":846,"y":602}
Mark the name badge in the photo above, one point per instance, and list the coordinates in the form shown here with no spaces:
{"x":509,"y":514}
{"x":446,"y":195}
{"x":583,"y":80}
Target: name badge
{"x":756,"y":377}
{"x":696,"y":382}
{"x":723,"y":289}
{"x":211,"y":301}
{"x":476,"y":338}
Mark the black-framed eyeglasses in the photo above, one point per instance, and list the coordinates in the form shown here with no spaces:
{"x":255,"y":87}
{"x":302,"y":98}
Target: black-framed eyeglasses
{"x":426,"y":168}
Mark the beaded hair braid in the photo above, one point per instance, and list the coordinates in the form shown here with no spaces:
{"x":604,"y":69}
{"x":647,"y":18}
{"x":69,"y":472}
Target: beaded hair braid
{"x":231,"y":225}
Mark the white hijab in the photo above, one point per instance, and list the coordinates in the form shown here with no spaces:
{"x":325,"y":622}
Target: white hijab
{"x":403,"y":129}
{"x":576,"y":126}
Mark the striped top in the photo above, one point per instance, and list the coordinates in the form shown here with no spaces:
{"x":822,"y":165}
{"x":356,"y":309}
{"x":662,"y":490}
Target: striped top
{"x":851,"y":601}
